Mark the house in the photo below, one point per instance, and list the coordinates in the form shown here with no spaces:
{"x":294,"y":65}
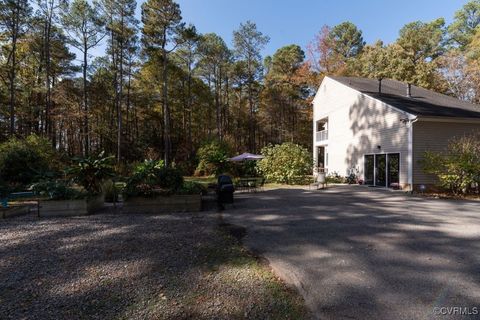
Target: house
{"x":379,"y":130}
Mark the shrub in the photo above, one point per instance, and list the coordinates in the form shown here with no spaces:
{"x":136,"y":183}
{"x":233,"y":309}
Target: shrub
{"x":4,"y":189}
{"x":213,"y":158}
{"x":152,"y":177}
{"x":91,"y":172}
{"x":458,"y":168}
{"x":286,"y":163}
{"x":335,"y":177}
{"x":246,"y":169}
{"x":57,"y":190}
{"x":190,"y":187}
{"x":170,"y":178}
{"x":23,"y":161}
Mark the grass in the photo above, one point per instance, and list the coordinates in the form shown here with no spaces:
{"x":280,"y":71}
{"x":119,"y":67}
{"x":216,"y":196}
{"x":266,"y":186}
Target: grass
{"x":230,"y":283}
{"x":253,"y":290}
{"x":202,"y":180}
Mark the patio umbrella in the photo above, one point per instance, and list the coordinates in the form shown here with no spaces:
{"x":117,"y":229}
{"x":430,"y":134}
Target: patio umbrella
{"x":246,"y":156}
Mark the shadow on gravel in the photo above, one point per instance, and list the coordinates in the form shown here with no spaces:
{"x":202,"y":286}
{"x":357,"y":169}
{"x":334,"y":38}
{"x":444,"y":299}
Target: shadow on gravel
{"x":126,"y":266}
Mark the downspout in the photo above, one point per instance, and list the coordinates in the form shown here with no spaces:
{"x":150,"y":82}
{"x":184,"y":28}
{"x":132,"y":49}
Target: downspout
{"x":410,"y":151}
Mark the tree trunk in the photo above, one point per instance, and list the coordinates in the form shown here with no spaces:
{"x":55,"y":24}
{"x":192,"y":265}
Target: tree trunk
{"x":189,"y":110}
{"x":85,"y":103}
{"x":166,"y":107}
{"x":48,"y":96}
{"x":13,"y":72}
{"x":120,"y":99}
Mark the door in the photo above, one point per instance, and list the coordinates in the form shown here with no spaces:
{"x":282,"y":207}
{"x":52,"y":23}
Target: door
{"x":393,"y":168}
{"x":369,"y":169}
{"x":321,"y":158}
{"x":381,"y":170}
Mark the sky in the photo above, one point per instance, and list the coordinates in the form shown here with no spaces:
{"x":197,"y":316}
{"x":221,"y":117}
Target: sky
{"x":297,"y":21}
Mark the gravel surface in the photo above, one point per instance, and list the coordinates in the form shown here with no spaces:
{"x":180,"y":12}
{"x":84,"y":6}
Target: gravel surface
{"x":134,"y":267}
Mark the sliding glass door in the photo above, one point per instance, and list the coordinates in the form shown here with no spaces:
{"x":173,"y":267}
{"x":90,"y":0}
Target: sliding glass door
{"x":382,"y":170}
{"x":369,"y":170}
{"x":393,"y":169}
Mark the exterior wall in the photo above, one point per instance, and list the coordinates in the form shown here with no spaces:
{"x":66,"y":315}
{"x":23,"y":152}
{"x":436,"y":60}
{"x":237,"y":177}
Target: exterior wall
{"x":357,"y":124}
{"x":434,"y":136}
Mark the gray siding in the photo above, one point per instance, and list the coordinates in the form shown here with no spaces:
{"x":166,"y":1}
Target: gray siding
{"x":434,"y":136}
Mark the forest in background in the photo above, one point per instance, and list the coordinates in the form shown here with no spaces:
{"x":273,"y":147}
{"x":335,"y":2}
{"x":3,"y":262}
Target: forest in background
{"x":162,"y":89}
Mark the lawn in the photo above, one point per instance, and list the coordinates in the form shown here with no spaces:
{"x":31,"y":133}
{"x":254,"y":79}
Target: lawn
{"x":135,"y":267}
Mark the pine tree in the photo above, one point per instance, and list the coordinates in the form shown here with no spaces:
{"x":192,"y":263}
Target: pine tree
{"x":162,"y":25}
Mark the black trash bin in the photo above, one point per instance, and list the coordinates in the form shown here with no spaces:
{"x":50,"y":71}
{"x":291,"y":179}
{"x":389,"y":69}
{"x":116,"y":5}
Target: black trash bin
{"x":225,"y":190}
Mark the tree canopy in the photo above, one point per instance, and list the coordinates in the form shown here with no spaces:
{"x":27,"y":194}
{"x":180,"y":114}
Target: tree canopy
{"x":161,"y":89}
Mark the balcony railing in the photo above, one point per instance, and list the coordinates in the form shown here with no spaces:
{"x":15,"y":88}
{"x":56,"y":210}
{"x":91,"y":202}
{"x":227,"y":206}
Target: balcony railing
{"x":322,"y":135}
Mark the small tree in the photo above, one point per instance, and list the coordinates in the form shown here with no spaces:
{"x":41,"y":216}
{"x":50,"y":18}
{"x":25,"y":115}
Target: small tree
{"x":458,"y":168}
{"x":286,"y":163}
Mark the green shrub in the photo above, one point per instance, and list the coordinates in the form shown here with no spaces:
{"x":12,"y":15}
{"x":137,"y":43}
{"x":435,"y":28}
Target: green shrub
{"x":335,"y":177}
{"x":24,"y":161}
{"x":458,"y":168}
{"x":190,"y":187}
{"x":246,"y":169}
{"x":213,"y":158}
{"x":57,"y":190}
{"x":152,"y":177}
{"x":286,"y":163}
{"x":4,"y":189}
{"x":91,"y":172}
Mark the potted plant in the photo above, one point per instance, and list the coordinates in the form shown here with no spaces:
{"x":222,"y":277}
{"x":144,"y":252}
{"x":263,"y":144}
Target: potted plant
{"x":154,"y":188}
{"x":79,"y":195}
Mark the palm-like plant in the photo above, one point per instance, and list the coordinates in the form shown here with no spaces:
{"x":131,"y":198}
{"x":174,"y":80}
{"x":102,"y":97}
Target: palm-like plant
{"x":91,"y":172}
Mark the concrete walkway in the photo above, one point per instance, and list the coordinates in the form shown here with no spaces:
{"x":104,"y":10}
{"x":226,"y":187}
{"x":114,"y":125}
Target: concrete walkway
{"x":362,"y":253}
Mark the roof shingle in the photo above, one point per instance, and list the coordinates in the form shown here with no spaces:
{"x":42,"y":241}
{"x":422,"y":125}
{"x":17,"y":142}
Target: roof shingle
{"x":422,"y":102}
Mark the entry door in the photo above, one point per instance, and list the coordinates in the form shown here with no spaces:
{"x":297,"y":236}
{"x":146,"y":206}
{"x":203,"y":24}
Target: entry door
{"x":369,"y":169}
{"x":321,"y":157}
{"x":381,"y":170}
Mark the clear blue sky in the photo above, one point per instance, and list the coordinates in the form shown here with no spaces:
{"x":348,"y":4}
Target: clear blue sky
{"x":297,"y":21}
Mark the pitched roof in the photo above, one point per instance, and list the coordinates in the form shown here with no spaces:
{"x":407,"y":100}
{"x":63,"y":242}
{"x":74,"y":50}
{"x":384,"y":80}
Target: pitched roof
{"x":422,"y":102}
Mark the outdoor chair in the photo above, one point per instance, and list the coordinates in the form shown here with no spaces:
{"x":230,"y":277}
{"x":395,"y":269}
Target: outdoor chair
{"x":320,"y":180}
{"x":240,"y":185}
{"x":261,"y":185}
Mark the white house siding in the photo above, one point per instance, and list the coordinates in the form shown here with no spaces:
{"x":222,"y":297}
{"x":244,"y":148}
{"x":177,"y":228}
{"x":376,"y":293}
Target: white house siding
{"x":434,"y":136}
{"x":357,"y":124}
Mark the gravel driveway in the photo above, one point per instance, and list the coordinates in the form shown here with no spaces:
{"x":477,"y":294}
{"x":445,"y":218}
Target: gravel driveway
{"x":363,"y":253}
{"x":134,"y":267}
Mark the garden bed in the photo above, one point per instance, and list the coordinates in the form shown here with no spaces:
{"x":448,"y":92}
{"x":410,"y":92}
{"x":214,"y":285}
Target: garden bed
{"x":14,"y":211}
{"x":163,"y":204}
{"x":449,"y":196}
{"x":68,"y":208}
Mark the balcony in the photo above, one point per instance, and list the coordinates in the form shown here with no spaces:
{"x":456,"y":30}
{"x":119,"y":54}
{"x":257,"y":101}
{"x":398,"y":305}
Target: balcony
{"x":322,"y":135}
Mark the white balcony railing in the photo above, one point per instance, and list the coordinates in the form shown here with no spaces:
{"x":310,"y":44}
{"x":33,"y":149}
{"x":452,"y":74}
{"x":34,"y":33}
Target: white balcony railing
{"x":322,"y":135}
